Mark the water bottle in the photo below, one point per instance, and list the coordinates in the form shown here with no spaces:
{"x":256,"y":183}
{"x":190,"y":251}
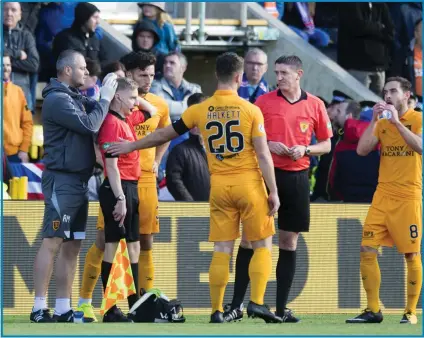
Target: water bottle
{"x":387,"y":114}
{"x":78,"y":317}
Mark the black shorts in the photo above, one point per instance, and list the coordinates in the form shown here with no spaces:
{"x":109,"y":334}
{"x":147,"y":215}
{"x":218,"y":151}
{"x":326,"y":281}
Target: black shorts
{"x":293,"y":191}
{"x":65,"y":205}
{"x":114,"y":233}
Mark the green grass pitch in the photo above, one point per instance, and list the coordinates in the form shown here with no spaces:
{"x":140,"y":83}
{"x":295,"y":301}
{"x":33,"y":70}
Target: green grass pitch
{"x":198,"y":325}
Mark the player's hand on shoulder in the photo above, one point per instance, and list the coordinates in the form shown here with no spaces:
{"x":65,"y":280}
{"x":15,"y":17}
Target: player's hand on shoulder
{"x":122,"y":147}
{"x":274,"y":203}
{"x":278,"y":148}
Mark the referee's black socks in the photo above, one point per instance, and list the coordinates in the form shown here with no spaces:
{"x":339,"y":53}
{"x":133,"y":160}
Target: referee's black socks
{"x":286,"y":267}
{"x":242,"y":279}
{"x":132,"y":299}
{"x":107,"y":267}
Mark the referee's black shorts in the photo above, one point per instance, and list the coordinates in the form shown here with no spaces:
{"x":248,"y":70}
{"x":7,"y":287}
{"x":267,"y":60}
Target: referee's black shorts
{"x":293,"y":191}
{"x":113,"y":233}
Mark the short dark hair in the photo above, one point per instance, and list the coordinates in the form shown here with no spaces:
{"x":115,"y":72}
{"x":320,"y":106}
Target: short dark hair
{"x":227,"y":65}
{"x":181,"y":56}
{"x":290,"y":60}
{"x":126,"y":83}
{"x":404,"y":83}
{"x":196,"y":98}
{"x":66,"y":59}
{"x":93,"y":67}
{"x":140,"y":60}
{"x":112,"y":67}
{"x":6,"y":54}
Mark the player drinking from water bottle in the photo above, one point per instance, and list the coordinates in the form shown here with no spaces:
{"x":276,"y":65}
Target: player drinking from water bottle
{"x":395,"y":215}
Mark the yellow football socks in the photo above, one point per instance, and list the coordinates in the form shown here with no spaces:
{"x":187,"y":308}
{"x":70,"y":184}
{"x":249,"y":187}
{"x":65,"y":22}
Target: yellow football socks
{"x":146,"y":270}
{"x":259,"y":272}
{"x":414,"y":280}
{"x":92,"y":268}
{"x":219,"y":272}
{"x":371,"y":278}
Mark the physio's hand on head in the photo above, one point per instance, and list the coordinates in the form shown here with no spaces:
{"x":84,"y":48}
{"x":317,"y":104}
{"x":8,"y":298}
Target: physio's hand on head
{"x":109,"y":85}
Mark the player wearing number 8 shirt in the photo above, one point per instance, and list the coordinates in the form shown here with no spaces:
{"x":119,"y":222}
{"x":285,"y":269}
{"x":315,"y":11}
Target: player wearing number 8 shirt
{"x":238,"y":156}
{"x":395,"y":215}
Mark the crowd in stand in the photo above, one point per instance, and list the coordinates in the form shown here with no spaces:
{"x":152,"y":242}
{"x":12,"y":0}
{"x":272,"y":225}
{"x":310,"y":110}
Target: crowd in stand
{"x":373,"y":40}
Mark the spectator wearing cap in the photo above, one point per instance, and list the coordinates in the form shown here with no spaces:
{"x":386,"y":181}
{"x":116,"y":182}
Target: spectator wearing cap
{"x":155,"y":13}
{"x":145,"y":38}
{"x":365,"y":39}
{"x":19,"y":44}
{"x":352,"y":178}
{"x":81,"y":35}
{"x":321,"y":173}
{"x":253,"y":84}
{"x":338,"y":97}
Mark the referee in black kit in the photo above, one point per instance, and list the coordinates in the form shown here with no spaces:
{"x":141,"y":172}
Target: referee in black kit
{"x":291,"y":116}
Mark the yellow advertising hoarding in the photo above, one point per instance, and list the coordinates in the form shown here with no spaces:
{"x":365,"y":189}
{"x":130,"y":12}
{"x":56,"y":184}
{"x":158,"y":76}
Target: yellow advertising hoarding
{"x":327,"y":276}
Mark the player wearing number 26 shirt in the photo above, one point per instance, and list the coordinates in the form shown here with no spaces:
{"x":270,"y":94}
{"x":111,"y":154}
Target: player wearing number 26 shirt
{"x":239,"y":161}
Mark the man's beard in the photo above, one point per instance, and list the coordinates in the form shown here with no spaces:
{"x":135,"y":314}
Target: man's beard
{"x":141,"y":92}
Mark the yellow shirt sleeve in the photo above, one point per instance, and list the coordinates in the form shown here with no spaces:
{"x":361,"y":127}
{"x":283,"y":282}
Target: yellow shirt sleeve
{"x":377,"y":130}
{"x":417,"y":128}
{"x":165,"y":120}
{"x":258,"y":128}
{"x":189,"y":117}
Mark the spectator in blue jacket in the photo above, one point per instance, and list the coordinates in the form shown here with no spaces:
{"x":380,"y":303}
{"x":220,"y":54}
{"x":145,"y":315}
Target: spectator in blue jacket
{"x":155,"y":13}
{"x":255,"y":67}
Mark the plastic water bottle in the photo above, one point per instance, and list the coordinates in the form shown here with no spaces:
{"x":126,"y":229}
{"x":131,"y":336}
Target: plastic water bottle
{"x":78,"y":317}
{"x":387,"y":114}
